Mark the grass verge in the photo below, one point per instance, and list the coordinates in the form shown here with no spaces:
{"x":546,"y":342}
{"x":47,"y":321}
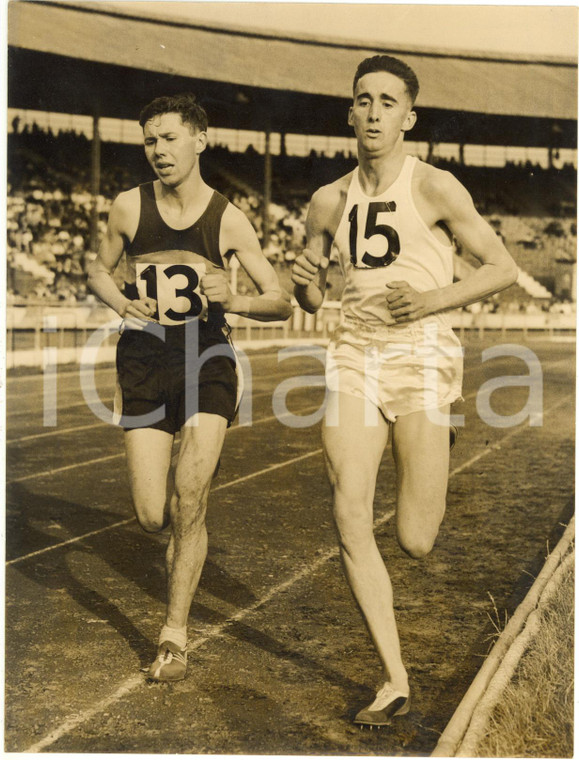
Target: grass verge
{"x":534,"y":717}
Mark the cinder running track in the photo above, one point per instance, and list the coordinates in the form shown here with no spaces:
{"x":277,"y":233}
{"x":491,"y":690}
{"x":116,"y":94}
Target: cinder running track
{"x":280,"y":660}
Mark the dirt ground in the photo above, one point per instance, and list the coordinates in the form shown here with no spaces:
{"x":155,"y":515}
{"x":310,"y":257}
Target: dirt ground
{"x":280,"y":660}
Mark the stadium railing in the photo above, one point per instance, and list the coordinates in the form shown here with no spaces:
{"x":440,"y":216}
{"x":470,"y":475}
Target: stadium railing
{"x":37,"y":333}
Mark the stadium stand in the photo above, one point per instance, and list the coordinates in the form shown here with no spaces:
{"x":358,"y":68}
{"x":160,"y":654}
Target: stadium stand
{"x":50,"y":206}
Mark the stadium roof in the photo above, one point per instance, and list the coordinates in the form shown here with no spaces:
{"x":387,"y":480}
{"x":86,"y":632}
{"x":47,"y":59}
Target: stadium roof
{"x":82,"y":57}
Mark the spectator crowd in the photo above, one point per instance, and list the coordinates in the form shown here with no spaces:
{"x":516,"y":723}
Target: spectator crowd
{"x":50,"y":210}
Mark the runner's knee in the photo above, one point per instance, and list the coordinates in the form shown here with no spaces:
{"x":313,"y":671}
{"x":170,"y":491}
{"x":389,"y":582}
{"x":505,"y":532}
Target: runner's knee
{"x":189,"y":510}
{"x":418,"y":521}
{"x":417,"y":537}
{"x":355,"y":489}
{"x":354,"y":528}
{"x":416,"y":547}
{"x":152,"y":521}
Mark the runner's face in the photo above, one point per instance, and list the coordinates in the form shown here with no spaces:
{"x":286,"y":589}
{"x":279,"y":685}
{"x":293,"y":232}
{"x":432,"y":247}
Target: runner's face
{"x":172,"y":148}
{"x":382,"y":111}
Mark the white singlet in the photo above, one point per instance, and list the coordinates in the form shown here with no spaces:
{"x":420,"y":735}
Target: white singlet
{"x":383,"y":238}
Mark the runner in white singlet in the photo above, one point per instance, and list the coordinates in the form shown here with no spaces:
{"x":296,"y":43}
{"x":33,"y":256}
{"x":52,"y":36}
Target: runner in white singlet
{"x":394,"y":361}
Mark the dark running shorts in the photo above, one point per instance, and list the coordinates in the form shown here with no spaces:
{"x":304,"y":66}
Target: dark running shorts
{"x":152,"y":373}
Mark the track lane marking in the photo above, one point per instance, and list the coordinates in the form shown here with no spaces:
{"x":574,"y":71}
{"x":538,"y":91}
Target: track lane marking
{"x":36,"y":392}
{"x":39,"y":375}
{"x":266,"y":470}
{"x":93,"y":425}
{"x":111,"y":368}
{"x":96,"y":532}
{"x":50,"y":548}
{"x":65,"y":407}
{"x":506,"y":437}
{"x":30,"y":412}
{"x":63,"y":431}
{"x":65,"y":468}
{"x":133,"y":682}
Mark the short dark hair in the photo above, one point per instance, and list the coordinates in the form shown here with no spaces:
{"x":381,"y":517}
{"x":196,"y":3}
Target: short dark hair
{"x":185,"y":104}
{"x":392,"y":66}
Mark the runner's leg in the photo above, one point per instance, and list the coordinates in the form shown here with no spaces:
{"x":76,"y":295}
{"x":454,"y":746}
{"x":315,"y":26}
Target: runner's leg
{"x":353,"y":453}
{"x":421,"y":453}
{"x":149,"y":461}
{"x":198,"y":456}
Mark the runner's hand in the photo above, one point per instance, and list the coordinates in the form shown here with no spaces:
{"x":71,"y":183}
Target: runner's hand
{"x":139,"y":312}
{"x":405,"y":303}
{"x":306,"y":267}
{"x":216,"y":288}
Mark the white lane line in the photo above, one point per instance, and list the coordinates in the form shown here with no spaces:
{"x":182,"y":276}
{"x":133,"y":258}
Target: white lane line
{"x":65,"y":468}
{"x":116,"y":456}
{"x":62,"y":388}
{"x":63,"y":408}
{"x":110,"y":391}
{"x":230,"y":483}
{"x":271,"y":468}
{"x":110,"y":368}
{"x":16,"y":560}
{"x":129,"y":685}
{"x":133,"y":682}
{"x":61,"y":373}
{"x":58,"y":470}
{"x":63,"y":431}
{"x":497,"y":445}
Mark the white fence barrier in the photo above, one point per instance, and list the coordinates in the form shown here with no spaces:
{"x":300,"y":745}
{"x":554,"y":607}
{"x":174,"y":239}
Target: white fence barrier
{"x":33,"y":328}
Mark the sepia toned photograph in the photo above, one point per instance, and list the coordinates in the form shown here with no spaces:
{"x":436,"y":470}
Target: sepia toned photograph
{"x":289,"y":378}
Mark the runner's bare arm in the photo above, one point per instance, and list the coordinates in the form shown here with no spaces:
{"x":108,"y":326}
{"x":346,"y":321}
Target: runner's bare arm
{"x":310,"y":269}
{"x":100,"y":272}
{"x":238,"y":237}
{"x":455,"y":208}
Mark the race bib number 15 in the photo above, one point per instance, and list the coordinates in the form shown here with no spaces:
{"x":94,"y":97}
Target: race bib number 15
{"x":175,"y":287}
{"x":374,"y":232}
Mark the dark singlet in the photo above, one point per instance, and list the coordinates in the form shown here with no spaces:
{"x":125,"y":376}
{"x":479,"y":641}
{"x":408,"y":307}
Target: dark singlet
{"x":167,"y":264}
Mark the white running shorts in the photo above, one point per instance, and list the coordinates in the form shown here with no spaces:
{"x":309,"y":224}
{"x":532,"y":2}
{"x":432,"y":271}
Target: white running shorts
{"x":399,"y":369}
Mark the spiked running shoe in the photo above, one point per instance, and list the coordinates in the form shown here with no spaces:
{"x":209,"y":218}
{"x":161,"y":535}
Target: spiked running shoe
{"x":170,"y":663}
{"x":388,"y":703}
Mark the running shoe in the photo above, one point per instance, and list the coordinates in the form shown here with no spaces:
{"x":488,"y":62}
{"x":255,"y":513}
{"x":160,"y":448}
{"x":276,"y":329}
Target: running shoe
{"x":170,"y":663}
{"x":388,"y":703}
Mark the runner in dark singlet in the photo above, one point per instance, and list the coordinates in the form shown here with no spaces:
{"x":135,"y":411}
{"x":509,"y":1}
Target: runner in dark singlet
{"x":176,"y":232}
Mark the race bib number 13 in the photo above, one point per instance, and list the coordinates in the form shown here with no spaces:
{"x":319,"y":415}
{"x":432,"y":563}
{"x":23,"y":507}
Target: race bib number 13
{"x":175,"y":287}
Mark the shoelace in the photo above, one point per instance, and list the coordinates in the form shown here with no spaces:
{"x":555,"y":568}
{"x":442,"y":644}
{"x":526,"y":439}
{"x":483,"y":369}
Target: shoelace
{"x":384,"y":697}
{"x":166,"y":658}
{"x":169,"y":655}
